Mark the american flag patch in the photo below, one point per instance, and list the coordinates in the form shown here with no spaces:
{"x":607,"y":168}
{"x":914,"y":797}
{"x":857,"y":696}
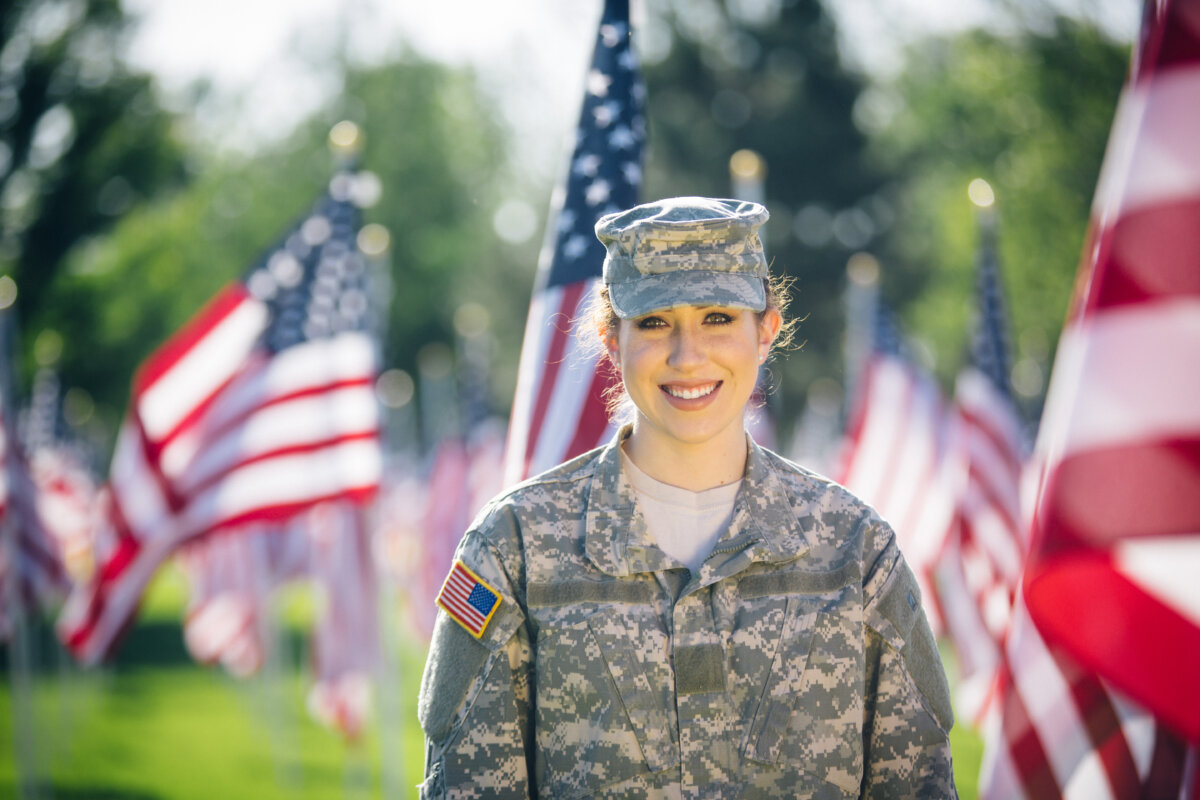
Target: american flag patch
{"x":467,"y":599}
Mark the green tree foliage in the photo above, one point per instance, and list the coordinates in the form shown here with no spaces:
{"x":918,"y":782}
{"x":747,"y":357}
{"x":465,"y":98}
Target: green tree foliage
{"x":82,"y":139}
{"x":1030,"y":113}
{"x":439,"y":154}
{"x":767,"y":77}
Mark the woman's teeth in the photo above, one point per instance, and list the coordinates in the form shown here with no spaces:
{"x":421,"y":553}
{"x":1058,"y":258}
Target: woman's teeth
{"x":692,"y":393}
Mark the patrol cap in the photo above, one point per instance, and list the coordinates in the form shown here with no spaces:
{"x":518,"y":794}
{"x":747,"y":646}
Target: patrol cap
{"x":684,"y":251}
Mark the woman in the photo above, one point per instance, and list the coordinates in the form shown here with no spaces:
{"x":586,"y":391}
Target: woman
{"x":683,"y":613}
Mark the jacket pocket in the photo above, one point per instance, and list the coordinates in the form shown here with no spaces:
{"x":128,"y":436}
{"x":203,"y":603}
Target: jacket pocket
{"x":810,"y":716}
{"x":600,"y":719}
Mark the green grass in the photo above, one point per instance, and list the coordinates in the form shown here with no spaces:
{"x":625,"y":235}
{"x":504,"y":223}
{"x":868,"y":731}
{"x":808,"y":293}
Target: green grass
{"x":156,"y":726}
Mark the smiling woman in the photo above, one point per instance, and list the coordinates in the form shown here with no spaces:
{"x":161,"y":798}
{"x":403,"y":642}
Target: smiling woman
{"x":682,"y":612}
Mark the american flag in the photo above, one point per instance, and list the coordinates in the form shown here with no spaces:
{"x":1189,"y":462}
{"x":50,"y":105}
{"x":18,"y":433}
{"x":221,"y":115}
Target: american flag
{"x":896,"y":455}
{"x":1058,"y":732}
{"x":467,"y":599}
{"x":559,"y":409}
{"x":1113,"y":574}
{"x":978,"y":574}
{"x":259,"y":407}
{"x":32,"y":572}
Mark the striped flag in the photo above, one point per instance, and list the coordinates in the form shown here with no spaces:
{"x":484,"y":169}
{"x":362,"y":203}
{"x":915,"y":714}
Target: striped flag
{"x":1114,"y":574}
{"x":32,"y":572}
{"x":896,"y":452}
{"x":259,"y":407}
{"x":559,"y":408}
{"x":978,"y":574}
{"x":1059,"y":732}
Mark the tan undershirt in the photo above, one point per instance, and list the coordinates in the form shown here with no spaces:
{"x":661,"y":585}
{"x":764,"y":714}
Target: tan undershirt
{"x":684,"y":524}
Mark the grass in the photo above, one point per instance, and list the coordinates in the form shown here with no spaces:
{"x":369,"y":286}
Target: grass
{"x":155,"y":726}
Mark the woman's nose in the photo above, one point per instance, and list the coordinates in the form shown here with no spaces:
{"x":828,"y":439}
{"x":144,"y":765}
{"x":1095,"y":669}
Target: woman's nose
{"x":687,"y":348}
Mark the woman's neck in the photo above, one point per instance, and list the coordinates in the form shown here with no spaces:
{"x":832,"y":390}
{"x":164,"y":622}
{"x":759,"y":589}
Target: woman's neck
{"x":718,"y":461}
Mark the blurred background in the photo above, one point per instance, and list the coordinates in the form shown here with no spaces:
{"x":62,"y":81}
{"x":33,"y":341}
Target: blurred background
{"x":152,"y":150}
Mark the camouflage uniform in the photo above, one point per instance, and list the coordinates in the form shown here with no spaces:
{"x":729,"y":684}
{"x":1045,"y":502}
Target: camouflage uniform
{"x":795,"y":663}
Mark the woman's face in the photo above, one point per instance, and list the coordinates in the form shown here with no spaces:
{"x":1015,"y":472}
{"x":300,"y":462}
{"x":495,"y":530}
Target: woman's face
{"x":690,"y":370}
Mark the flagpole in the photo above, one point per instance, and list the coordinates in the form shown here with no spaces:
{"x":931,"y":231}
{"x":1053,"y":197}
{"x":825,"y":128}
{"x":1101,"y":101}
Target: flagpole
{"x":20,"y":671}
{"x":860,"y":299}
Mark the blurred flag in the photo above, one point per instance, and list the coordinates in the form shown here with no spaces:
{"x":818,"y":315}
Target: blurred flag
{"x":896,"y":452}
{"x":31,"y":568}
{"x":1113,"y":574}
{"x":259,"y":407}
{"x":1057,"y":732}
{"x":559,"y":408}
{"x":978,"y":573}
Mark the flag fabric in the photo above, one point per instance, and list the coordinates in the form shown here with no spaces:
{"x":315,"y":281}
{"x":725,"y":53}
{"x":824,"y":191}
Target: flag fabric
{"x":896,"y":453}
{"x":559,"y":406}
{"x":1112,"y":576}
{"x":1059,"y":732}
{"x":32,"y":572}
{"x":259,"y":407}
{"x":978,"y":573}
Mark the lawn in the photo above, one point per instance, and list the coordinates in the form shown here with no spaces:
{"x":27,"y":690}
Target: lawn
{"x":155,"y":726}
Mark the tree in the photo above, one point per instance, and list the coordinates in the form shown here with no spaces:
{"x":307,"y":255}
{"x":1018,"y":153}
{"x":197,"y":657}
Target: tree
{"x":82,"y":139}
{"x":1028,"y":112}
{"x":440,"y":156}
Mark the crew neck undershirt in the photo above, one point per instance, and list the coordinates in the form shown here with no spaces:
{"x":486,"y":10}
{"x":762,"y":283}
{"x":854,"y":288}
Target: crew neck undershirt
{"x":684,"y":524}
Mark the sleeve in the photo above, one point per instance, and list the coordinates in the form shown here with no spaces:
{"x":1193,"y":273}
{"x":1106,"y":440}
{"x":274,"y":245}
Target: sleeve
{"x":908,"y":712}
{"x":475,"y":692}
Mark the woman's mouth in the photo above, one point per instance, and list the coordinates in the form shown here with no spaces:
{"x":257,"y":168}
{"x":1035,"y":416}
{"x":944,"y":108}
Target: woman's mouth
{"x":690,"y":392}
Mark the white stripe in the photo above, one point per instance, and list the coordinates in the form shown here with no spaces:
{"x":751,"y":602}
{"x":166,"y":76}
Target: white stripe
{"x":1127,"y":374}
{"x":530,"y":371}
{"x":212,"y":360}
{"x":136,"y":488}
{"x":1153,"y":151}
{"x":1166,"y":568}
{"x":884,"y":429}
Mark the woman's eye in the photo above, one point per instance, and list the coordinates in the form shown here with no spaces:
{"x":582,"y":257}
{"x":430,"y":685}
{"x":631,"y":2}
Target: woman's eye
{"x":646,"y":323}
{"x":718,"y":318}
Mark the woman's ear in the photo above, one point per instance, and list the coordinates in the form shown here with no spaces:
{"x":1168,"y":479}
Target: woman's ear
{"x":609,"y":337}
{"x":768,"y":328}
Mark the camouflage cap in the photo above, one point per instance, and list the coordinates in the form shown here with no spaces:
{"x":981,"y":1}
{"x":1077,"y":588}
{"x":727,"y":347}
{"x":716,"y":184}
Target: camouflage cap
{"x":684,"y":251}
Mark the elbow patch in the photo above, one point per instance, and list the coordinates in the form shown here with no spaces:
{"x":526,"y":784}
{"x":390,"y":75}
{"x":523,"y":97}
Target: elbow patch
{"x":456,"y":662}
{"x":897,"y":614}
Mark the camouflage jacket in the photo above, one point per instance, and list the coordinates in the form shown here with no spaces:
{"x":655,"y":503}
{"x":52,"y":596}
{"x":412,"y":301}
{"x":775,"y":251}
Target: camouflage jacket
{"x":796,"y":663}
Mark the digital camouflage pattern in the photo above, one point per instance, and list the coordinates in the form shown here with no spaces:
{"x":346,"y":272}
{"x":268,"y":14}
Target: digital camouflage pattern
{"x":796,"y":663}
{"x":681,"y":251}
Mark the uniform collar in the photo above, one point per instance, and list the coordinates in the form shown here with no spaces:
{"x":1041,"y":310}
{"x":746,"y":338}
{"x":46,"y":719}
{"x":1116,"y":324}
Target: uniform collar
{"x":766,"y":524}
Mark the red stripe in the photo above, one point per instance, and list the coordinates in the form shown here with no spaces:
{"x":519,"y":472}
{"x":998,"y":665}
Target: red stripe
{"x":1100,"y":496}
{"x":1148,"y":254}
{"x":1108,"y":623}
{"x":281,"y":512}
{"x":1174,"y":41}
{"x":186,"y":338}
{"x":1165,"y":778}
{"x":559,"y":334}
{"x":1102,"y":725}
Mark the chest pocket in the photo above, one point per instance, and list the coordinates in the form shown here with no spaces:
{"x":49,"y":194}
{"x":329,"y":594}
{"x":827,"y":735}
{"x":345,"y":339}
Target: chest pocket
{"x":600,"y":718}
{"x":810,"y":715}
